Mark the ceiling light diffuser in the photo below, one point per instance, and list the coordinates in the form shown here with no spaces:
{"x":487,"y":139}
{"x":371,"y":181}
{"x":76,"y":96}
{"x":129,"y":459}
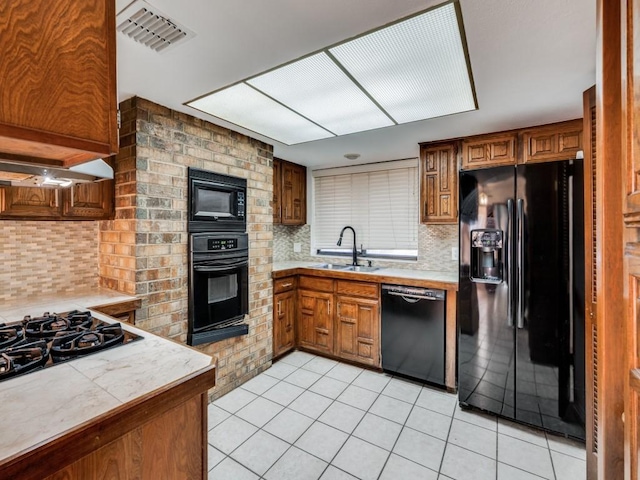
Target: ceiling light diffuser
{"x":415,"y":69}
{"x":248,"y":108}
{"x":317,"y":88}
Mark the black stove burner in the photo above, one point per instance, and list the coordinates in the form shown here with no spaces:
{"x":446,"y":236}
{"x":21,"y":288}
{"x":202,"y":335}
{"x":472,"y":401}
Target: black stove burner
{"x":23,"y":357}
{"x":41,"y":342}
{"x":10,"y":334}
{"x":83,"y":343}
{"x":49,"y":325}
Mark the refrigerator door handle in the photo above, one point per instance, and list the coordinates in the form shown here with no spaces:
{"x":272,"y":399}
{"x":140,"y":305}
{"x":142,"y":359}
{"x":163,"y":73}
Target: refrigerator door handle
{"x":520,"y":216}
{"x":510,"y":238}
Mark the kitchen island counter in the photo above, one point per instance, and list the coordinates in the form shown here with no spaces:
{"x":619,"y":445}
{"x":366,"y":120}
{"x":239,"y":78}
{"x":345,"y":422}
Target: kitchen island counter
{"x":139,"y":407}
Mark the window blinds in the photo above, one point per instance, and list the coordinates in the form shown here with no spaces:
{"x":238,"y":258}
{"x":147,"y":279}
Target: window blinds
{"x":382,"y":206}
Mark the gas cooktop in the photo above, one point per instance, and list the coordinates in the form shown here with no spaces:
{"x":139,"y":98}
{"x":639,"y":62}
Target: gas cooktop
{"x":41,"y":342}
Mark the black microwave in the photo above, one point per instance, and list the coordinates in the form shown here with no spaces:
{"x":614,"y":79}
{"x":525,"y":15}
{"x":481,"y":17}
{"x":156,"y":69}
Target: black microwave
{"x":217,"y":203}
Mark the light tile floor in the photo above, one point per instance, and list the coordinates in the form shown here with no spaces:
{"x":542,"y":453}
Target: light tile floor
{"x":308,"y":417}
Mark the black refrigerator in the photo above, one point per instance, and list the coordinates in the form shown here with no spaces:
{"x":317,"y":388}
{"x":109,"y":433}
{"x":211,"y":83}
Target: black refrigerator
{"x":521,"y":294}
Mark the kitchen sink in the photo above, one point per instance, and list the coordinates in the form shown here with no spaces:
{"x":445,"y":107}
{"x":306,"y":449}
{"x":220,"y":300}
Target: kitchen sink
{"x":332,"y":266}
{"x":361,"y":268}
{"x":346,"y":268}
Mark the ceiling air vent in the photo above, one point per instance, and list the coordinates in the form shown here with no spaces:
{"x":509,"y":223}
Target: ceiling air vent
{"x":147,"y":25}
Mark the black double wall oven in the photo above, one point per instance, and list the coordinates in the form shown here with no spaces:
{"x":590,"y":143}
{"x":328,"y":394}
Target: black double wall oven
{"x":218,"y":257}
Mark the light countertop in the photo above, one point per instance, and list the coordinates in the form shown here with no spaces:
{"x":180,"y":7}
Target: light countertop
{"x":393,"y":274}
{"x":80,"y":299}
{"x":44,"y":405}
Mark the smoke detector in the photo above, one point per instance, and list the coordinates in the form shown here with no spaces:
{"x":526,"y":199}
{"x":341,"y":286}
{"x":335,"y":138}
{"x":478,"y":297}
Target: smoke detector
{"x":149,"y":26}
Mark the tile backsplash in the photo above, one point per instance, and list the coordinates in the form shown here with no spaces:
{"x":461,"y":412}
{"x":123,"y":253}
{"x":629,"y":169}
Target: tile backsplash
{"x":434,"y":247}
{"x":47,"y":257}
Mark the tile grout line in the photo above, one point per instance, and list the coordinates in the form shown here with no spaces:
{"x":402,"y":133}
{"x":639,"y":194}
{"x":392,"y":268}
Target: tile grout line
{"x":378,"y":395}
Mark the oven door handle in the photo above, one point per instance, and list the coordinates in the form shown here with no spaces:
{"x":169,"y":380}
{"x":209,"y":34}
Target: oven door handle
{"x":219,"y":268}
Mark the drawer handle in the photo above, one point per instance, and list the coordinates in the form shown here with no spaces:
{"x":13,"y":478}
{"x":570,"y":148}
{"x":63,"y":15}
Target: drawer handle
{"x":284,"y":285}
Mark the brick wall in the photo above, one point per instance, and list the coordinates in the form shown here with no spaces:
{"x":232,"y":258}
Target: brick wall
{"x":144,"y":249}
{"x":39,"y":257}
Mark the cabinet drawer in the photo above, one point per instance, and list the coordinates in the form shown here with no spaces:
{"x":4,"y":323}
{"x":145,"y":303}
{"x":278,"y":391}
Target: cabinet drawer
{"x":359,"y":289}
{"x":315,"y":283}
{"x":284,"y":284}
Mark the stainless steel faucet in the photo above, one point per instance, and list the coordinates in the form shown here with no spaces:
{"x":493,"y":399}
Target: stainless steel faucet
{"x":355,"y":250}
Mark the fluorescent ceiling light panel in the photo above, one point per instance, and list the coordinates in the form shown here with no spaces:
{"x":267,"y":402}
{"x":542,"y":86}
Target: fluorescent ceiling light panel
{"x":411,"y":70}
{"x":318,"y":89}
{"x":415,"y":69}
{"x":244,"y":106}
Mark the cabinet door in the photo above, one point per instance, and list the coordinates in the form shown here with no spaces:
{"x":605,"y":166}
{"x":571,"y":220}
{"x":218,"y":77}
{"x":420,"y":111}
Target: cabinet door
{"x":358,"y":325}
{"x":439,"y":188}
{"x":89,"y":200}
{"x":277,"y":191}
{"x":315,"y":320}
{"x":29,"y":202}
{"x":559,"y":141}
{"x":58,"y":75}
{"x":283,"y":322}
{"x":489,"y":151}
{"x":293,"y":194}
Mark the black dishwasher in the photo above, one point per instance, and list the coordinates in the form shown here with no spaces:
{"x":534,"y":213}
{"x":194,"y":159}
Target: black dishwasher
{"x":413,"y":332}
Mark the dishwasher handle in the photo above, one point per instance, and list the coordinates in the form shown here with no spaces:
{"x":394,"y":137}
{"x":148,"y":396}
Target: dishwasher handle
{"x":415,"y":293}
{"x":407,"y":296}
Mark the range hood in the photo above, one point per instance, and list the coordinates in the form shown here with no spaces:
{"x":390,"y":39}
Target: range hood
{"x":29,"y":175}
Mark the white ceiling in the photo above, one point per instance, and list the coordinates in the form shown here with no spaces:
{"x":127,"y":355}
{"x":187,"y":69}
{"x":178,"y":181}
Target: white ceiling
{"x":531,"y":61}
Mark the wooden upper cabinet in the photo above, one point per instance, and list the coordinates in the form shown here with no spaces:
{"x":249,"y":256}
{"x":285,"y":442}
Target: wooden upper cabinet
{"x":289,"y":193}
{"x":58,"y":100}
{"x":293,"y":194}
{"x":489,"y":150}
{"x":89,"y":200}
{"x":29,"y":202}
{"x":84,"y":201}
{"x":558,"y":141}
{"x":439,"y":183}
{"x":277,"y":190}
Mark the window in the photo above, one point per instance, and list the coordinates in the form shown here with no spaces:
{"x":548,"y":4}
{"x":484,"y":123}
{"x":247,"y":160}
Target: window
{"x":379,"y":201}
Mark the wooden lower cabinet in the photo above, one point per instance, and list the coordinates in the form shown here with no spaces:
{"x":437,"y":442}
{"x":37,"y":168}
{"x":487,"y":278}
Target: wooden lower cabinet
{"x":284,"y":318}
{"x":160,"y":436}
{"x":339,"y":318}
{"x":170,"y":446}
{"x":122,"y":311}
{"x":315,"y":320}
{"x":358,"y":330}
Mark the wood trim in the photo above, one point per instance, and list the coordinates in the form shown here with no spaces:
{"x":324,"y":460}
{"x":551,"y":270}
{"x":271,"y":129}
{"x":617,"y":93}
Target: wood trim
{"x":591,"y":379}
{"x":451,"y":338}
{"x":612,"y":363}
{"x":204,"y":402}
{"x":117,"y":308}
{"x":98,"y":432}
